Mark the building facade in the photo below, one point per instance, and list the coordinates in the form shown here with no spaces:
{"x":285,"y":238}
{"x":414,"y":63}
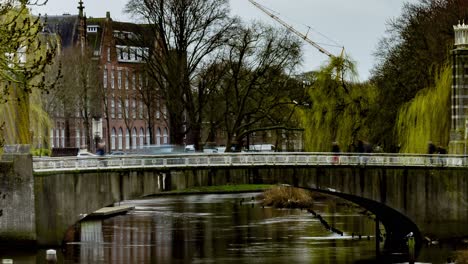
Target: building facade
{"x":120,"y":108}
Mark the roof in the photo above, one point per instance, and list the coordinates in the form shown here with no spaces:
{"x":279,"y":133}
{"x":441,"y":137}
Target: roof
{"x":66,"y":26}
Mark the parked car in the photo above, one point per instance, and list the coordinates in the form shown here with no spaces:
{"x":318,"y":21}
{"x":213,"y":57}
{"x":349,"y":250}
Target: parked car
{"x":210,"y":149}
{"x":117,"y":153}
{"x":190,"y":148}
{"x":162,"y":149}
{"x":85,"y":154}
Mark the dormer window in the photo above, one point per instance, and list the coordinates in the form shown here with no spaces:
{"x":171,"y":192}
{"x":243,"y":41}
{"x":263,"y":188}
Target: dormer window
{"x":131,"y":54}
{"x":92,"y":29}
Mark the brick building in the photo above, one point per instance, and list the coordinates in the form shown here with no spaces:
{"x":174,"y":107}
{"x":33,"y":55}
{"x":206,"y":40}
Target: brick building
{"x":121,"y":117}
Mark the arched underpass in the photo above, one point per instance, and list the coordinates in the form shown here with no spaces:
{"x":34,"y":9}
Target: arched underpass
{"x":397,"y":225}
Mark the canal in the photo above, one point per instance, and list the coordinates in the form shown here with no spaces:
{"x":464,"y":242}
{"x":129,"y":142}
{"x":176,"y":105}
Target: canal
{"x":222,"y":228}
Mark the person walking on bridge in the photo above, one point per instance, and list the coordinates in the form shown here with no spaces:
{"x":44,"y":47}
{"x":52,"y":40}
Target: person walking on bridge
{"x":336,"y":150}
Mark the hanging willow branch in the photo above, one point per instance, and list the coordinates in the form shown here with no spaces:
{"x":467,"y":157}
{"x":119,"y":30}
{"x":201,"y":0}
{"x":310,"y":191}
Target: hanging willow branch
{"x":426,"y":117}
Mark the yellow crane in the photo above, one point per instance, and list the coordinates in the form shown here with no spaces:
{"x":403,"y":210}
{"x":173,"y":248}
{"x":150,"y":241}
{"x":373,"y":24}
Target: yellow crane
{"x":292,"y":29}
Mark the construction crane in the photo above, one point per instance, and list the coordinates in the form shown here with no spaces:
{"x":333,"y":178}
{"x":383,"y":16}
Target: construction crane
{"x":292,"y":29}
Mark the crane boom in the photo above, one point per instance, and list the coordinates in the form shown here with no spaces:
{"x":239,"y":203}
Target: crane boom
{"x":290,"y":28}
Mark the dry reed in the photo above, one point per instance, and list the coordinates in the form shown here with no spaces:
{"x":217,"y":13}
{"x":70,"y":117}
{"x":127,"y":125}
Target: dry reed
{"x":287,"y":197}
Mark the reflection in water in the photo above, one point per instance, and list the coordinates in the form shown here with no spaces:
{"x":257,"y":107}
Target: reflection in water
{"x":91,"y":241}
{"x":220,"y":229}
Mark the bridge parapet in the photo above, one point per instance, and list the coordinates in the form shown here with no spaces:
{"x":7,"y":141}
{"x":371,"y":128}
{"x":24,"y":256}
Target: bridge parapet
{"x":246,"y":159}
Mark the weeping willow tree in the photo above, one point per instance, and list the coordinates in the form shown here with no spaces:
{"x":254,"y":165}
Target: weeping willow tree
{"x":339,"y":107}
{"x":426,"y":117}
{"x":24,"y":57}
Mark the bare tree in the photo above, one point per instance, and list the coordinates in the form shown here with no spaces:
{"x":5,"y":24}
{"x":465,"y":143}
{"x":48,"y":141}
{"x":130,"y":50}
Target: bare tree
{"x":257,"y":89}
{"x":77,"y":95}
{"x":187,"y":33}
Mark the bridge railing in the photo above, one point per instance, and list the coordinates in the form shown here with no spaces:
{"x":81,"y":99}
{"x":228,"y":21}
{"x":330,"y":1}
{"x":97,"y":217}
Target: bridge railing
{"x":246,"y":159}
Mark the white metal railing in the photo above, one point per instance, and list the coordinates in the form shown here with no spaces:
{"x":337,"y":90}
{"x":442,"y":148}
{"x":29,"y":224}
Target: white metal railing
{"x":246,"y":159}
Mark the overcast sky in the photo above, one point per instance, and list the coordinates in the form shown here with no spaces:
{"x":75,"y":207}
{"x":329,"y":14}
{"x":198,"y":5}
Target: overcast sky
{"x":355,"y":24}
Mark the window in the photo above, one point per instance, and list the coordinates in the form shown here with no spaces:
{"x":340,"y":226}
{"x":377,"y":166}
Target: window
{"x":158,"y":136}
{"x":112,"y":107}
{"x":77,"y":138}
{"x":120,"y":53}
{"x":63,"y":138}
{"x":141,"y":81}
{"x":112,"y":79}
{"x":92,"y":29}
{"x":134,"y":108}
{"x":52,"y":138}
{"x":113,"y":139}
{"x":134,"y":81}
{"x":119,"y":79}
{"x":126,"y":108}
{"x":104,"y":81}
{"x":126,"y":79}
{"x":119,"y":108}
{"x":166,"y":136}
{"x":108,"y":54}
{"x":142,"y":137}
{"x":164,"y":111}
{"x":134,"y":138}
{"x":158,"y":112}
{"x":127,"y":139}
{"x":120,"y":138}
{"x":57,"y":138}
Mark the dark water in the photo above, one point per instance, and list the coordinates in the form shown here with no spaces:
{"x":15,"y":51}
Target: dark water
{"x":220,"y":229}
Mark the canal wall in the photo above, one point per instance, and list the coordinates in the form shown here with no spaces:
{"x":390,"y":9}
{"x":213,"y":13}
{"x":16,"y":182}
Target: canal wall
{"x":62,"y":199}
{"x":17,"y":211}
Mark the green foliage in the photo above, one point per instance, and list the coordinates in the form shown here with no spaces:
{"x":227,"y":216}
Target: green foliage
{"x":426,"y":117}
{"x":40,"y":152}
{"x":339,"y":110}
{"x":24,"y":55}
{"x":408,"y":58}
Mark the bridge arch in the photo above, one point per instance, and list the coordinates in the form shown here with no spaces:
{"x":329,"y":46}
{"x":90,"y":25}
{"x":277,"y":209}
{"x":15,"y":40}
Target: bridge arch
{"x":397,"y":225}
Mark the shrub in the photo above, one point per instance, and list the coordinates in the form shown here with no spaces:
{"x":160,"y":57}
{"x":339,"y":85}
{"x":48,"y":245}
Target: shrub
{"x":287,"y":197}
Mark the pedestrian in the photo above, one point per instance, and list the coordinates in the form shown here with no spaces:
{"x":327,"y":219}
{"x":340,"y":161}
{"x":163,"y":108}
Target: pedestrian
{"x":431,"y":150}
{"x":335,"y":149}
{"x":100,"y":149}
{"x":361,"y":148}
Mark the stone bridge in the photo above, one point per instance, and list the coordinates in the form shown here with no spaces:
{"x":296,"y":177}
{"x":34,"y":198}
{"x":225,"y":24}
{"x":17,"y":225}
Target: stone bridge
{"x":41,"y":199}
